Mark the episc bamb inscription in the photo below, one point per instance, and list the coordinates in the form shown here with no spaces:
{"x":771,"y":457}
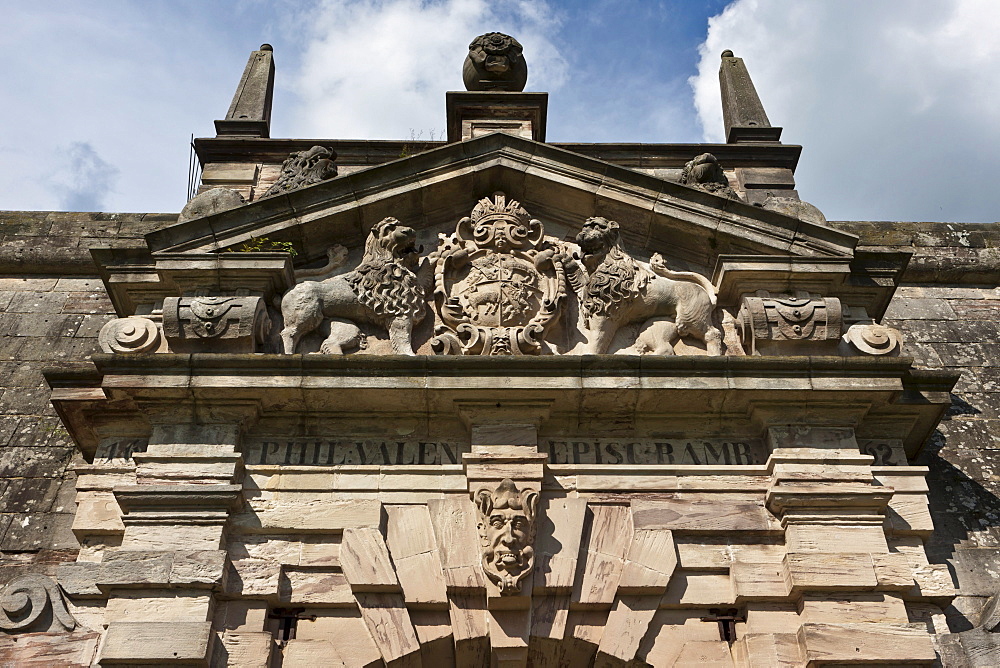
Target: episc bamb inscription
{"x":326,"y":452}
{"x":667,"y":451}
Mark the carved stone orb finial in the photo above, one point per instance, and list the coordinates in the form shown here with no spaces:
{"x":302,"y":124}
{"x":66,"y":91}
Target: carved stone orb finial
{"x":209,"y":203}
{"x":728,"y":54}
{"x":507,"y":523}
{"x":495,"y":62}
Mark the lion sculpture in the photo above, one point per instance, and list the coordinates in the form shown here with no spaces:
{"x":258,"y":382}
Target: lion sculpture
{"x":617,"y":290}
{"x":383,"y":290}
{"x":304,"y":168}
{"x":705,"y":173}
{"x":495,"y":62}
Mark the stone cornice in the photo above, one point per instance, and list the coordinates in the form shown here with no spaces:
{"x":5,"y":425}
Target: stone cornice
{"x":367,"y":152}
{"x":883,"y":397}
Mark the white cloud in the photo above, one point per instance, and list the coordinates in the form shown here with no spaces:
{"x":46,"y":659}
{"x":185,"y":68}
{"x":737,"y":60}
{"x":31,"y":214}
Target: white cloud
{"x":83,"y":180}
{"x":896,"y":104}
{"x":379,"y":69}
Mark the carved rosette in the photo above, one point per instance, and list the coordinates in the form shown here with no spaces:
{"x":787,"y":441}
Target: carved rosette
{"x":507,"y":526}
{"x":874,"y":339}
{"x":129,"y":335}
{"x":498,"y":283}
{"x":215,"y":324}
{"x":33,"y":603}
{"x":784,"y":318}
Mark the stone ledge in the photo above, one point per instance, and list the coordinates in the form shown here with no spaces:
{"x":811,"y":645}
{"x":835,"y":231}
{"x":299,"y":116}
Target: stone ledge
{"x":180,"y":643}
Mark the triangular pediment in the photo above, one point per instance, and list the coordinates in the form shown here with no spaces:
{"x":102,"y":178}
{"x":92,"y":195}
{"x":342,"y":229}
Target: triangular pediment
{"x":431,"y":191}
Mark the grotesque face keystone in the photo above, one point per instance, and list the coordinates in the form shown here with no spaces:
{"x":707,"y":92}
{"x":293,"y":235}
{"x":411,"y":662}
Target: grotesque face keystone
{"x":507,"y":521}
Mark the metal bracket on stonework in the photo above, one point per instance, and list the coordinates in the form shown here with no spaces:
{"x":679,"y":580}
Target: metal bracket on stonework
{"x":288,"y":622}
{"x":726,"y":620}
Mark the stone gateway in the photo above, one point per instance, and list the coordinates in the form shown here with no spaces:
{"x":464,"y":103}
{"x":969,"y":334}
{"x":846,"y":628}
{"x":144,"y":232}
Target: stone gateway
{"x":497,"y":401}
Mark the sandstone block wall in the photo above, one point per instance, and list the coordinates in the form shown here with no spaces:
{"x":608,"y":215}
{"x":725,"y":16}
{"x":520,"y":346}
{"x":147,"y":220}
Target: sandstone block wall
{"x":52,"y":305}
{"x":949,"y":312}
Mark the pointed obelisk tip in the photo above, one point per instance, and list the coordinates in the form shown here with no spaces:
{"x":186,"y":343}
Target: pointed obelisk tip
{"x":742,"y":111}
{"x":250,"y":113}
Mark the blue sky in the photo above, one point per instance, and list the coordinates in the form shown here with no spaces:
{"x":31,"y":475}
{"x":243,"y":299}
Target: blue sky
{"x":896,"y":102}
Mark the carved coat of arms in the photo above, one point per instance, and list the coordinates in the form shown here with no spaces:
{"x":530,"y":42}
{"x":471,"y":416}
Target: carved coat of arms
{"x":498,"y":283}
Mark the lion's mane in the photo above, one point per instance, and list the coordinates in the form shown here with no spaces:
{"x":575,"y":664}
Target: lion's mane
{"x":383,"y":282}
{"x":616,"y":280}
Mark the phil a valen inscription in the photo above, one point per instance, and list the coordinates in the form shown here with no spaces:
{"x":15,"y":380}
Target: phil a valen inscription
{"x":327,"y":452}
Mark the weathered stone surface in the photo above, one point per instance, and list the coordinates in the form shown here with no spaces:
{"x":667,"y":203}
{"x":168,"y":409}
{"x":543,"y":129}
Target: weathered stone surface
{"x":362,"y":296}
{"x":33,"y":603}
{"x":495,"y":63}
{"x":209,"y":203}
{"x":150,"y":642}
{"x":42,"y":650}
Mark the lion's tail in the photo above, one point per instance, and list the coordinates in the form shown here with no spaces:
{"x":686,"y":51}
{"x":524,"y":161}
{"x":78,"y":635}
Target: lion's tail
{"x":659,"y":268}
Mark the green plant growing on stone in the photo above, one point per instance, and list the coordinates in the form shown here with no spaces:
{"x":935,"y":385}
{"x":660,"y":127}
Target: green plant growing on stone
{"x":264,"y":245}
{"x":418,"y":138}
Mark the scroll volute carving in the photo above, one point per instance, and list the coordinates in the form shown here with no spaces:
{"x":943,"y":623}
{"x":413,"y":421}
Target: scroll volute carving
{"x":771,"y":323}
{"x":33,"y":603}
{"x":507,"y":526}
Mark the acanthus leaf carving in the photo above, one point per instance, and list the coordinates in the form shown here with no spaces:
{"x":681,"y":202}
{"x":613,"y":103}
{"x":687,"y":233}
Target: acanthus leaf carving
{"x":34,"y":603}
{"x":508,"y":519}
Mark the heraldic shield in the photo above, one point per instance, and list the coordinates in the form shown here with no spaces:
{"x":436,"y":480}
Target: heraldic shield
{"x":498,"y":284}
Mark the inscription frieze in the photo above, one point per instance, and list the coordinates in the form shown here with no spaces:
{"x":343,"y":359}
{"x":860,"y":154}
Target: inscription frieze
{"x":656,"y":451}
{"x":305,"y":451}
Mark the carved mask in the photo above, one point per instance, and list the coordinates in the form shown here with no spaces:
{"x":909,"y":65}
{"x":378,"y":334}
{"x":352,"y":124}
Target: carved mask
{"x":507,"y":531}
